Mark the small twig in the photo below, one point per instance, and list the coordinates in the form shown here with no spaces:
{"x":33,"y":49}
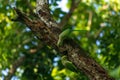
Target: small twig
{"x":15,"y":65}
{"x":90,"y":18}
{"x":89,"y":22}
{"x":74,"y":5}
{"x":98,"y":32}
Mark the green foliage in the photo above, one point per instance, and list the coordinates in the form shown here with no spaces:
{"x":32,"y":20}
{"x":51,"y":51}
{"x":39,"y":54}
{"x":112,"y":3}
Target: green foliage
{"x":101,"y":39}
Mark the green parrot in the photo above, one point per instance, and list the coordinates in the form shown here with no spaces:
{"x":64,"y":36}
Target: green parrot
{"x":66,"y":33}
{"x":62,"y":36}
{"x":69,"y":65}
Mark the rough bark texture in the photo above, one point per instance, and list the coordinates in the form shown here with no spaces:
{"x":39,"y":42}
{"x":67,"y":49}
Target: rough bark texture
{"x":47,"y":30}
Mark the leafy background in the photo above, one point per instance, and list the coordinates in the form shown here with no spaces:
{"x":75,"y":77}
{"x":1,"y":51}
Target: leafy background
{"x":100,"y":37}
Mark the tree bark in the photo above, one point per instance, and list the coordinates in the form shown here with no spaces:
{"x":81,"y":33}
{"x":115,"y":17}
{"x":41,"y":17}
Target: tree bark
{"x":47,"y":30}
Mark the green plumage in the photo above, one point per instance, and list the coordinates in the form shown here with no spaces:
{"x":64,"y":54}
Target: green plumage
{"x":62,"y":36}
{"x":68,"y":64}
{"x":66,"y":33}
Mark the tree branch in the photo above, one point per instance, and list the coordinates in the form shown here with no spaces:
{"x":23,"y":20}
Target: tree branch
{"x":43,"y":12}
{"x":42,"y":5}
{"x":15,"y":65}
{"x":83,"y":62}
{"x":44,"y":33}
{"x":74,"y":5}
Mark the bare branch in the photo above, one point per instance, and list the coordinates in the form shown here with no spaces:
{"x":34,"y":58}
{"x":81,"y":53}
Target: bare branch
{"x":43,"y":12}
{"x":15,"y":65}
{"x":74,"y":5}
{"x":39,"y":28}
